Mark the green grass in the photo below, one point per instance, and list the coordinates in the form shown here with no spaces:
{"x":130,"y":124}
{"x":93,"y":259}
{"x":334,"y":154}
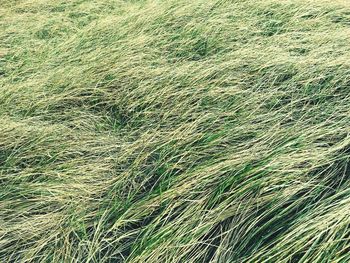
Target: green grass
{"x":174,"y":131}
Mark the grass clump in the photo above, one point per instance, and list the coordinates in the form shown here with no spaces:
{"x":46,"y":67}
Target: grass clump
{"x":174,"y":131}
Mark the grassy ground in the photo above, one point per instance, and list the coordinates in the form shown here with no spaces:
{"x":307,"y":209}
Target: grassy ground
{"x":174,"y":131}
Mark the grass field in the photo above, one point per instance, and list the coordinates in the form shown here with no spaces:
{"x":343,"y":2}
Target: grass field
{"x":175,"y":131}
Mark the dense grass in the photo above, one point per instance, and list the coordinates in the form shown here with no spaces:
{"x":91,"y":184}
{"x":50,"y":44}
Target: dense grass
{"x":174,"y":131}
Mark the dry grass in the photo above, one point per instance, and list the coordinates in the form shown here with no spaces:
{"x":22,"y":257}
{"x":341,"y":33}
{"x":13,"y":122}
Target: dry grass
{"x":174,"y":131}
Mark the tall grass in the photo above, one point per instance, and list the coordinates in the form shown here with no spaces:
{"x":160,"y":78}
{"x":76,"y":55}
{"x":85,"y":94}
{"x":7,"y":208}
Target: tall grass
{"x":174,"y":131}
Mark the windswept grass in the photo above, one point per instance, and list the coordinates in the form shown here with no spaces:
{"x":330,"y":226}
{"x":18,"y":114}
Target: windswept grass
{"x":174,"y":131}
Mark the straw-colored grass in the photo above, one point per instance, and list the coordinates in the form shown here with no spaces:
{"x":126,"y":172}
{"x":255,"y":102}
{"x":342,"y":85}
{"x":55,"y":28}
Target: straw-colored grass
{"x":174,"y":131}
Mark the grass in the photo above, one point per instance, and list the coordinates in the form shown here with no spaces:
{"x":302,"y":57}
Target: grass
{"x":174,"y":131}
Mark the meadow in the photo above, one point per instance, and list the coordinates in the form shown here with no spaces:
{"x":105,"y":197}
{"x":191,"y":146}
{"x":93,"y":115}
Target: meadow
{"x":149,"y":131}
